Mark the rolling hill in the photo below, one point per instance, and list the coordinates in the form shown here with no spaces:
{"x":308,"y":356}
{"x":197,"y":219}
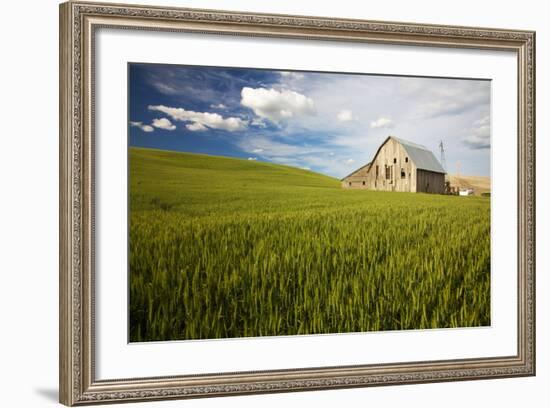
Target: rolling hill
{"x":479,"y":184}
{"x":196,"y":183}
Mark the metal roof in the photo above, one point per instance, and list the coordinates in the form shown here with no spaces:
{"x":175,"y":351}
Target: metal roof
{"x":421,"y":156}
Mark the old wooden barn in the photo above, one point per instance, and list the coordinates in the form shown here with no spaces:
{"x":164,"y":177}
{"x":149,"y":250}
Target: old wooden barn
{"x":399,"y":165}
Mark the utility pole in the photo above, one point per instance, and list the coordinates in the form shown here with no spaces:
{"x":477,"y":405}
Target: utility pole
{"x":442,"y":150}
{"x":443,"y":160}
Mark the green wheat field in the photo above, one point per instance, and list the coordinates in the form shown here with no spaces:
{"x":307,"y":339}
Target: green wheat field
{"x":222,"y":247}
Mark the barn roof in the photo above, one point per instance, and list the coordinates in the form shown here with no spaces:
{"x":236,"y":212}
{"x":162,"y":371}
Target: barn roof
{"x":421,"y":156}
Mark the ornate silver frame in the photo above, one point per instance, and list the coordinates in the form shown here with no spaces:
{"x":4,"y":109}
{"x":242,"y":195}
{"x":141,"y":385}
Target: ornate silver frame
{"x":78,"y":22}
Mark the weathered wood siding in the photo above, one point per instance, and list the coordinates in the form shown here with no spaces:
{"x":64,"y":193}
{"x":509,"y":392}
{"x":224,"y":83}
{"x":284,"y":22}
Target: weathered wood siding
{"x":356,"y":179}
{"x":391,"y":170}
{"x":430,"y":182}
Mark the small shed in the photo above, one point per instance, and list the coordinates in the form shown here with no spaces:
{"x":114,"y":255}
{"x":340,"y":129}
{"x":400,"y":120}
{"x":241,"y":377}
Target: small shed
{"x":399,"y":165}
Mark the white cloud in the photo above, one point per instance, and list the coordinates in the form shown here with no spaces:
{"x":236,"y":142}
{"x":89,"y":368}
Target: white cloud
{"x":202,"y":120}
{"x":484,"y":121}
{"x":434,"y":109}
{"x":480,"y":135}
{"x":477,"y":142}
{"x":398,"y":100}
{"x":382,"y":122}
{"x":403,"y":104}
{"x":270,"y":147}
{"x":276,"y":105}
{"x":257,"y":150}
{"x":145,"y":128}
{"x":252,"y":158}
{"x":196,"y":127}
{"x":163,"y":123}
{"x":218,"y":106}
{"x":291,"y":75}
{"x":453,"y":100}
{"x":164,"y":88}
{"x":344,"y":115}
{"x":258,"y":122}
{"x":305,"y":168}
{"x":349,"y":161}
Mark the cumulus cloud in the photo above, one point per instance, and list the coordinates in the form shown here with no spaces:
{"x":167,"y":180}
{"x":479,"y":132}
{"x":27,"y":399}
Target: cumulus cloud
{"x":218,"y":106}
{"x":349,"y":161}
{"x":453,"y":100}
{"x":252,"y":158}
{"x":257,"y":150}
{"x":196,"y":127}
{"x":381,"y":122}
{"x":344,"y":115}
{"x":201,"y":120}
{"x":145,"y":128}
{"x":258,"y":122}
{"x":480,"y":135}
{"x":477,"y":142}
{"x":276,"y":105}
{"x":163,"y":123}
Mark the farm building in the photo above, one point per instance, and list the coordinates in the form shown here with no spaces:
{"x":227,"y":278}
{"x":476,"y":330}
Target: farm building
{"x":399,"y":165}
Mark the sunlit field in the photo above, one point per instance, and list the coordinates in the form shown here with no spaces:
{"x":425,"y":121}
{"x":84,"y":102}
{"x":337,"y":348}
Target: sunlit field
{"x":223,"y":247}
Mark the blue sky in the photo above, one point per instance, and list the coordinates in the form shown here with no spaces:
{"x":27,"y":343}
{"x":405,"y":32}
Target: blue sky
{"x":331,"y":123}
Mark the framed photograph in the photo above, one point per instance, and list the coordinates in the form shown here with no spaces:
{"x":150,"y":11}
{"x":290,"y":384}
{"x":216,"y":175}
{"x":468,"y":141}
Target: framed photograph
{"x":256,"y":203}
